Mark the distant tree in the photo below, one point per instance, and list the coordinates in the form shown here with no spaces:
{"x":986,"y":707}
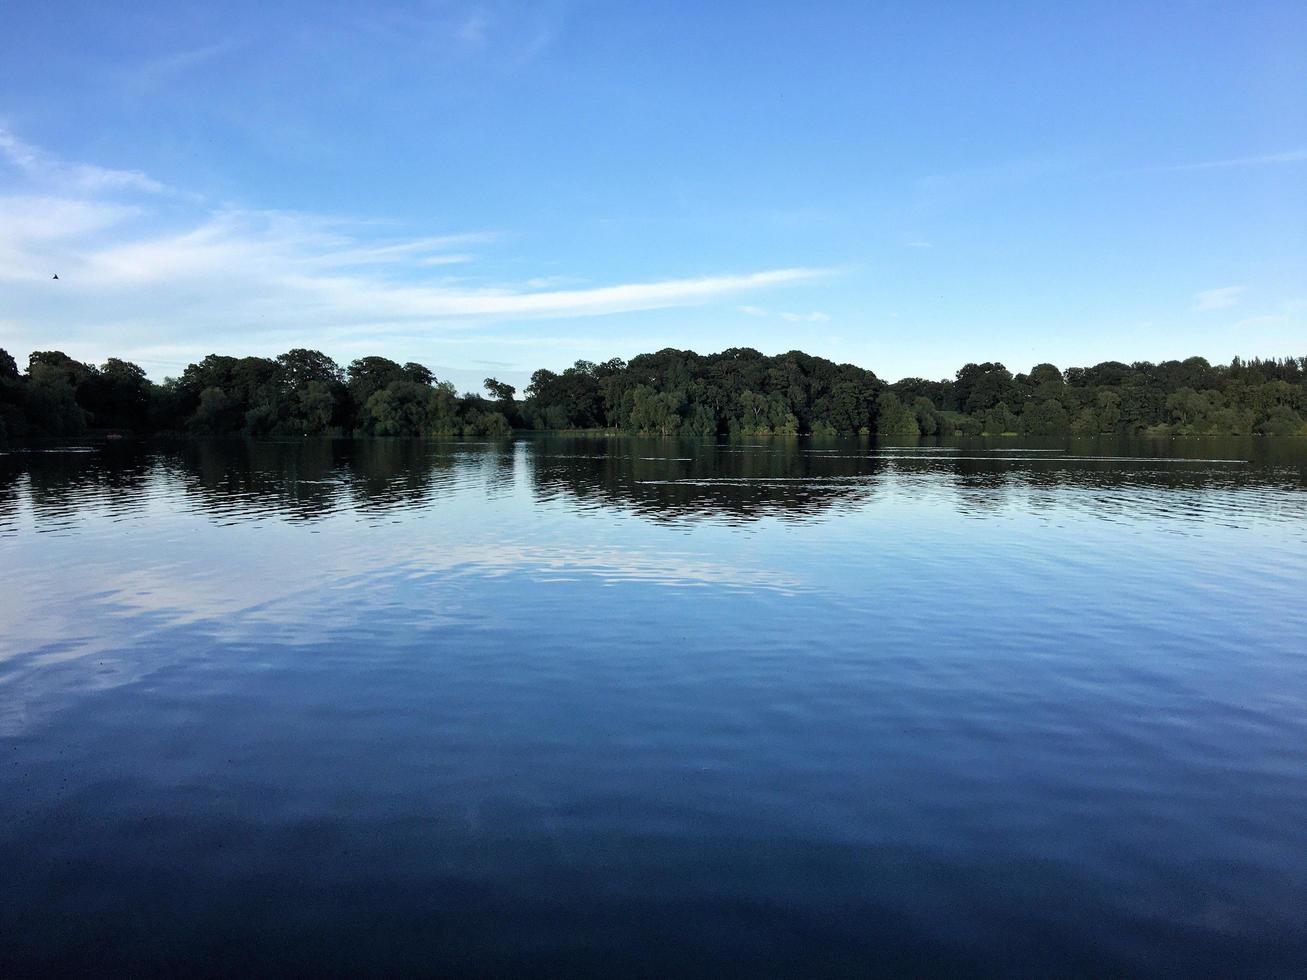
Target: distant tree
{"x":652,"y":412}
{"x":738,"y":390}
{"x":1283,"y":421}
{"x":300,"y":366}
{"x":1046,"y":418}
{"x":50,"y":367}
{"x":500,"y":391}
{"x":894,"y":419}
{"x":1000,"y":420}
{"x":1108,"y":409}
{"x":418,"y":374}
{"x":1107,"y":373}
{"x":316,"y":405}
{"x":849,"y":407}
{"x":13,"y":418}
{"x":401,"y":408}
{"x":940,"y":393}
{"x":541,"y":381}
{"x":929,"y":419}
{"x":575,"y":396}
{"x":702,"y":421}
{"x":1046,"y":375}
{"x":217,"y":413}
{"x":52,"y":410}
{"x":368,"y":375}
{"x":407,"y":408}
{"x":966,"y":425}
{"x":313,"y":397}
{"x":491,"y":425}
{"x":979,"y":387}
{"x":119,"y":395}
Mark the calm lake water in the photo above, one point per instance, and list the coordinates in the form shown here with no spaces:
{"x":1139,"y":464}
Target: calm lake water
{"x":586,"y":705}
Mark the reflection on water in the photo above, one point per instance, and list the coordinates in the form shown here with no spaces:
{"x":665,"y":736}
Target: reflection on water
{"x":594,"y":705}
{"x":664,"y":481}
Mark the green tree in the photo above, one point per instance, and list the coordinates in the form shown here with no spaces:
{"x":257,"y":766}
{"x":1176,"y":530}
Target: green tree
{"x":929,"y":420}
{"x":1283,"y":421}
{"x":299,"y":366}
{"x":894,"y":419}
{"x":401,"y":408}
{"x":216,"y":414}
{"x":652,"y":412}
{"x":419,"y":374}
{"x":1000,"y":420}
{"x":1047,"y":377}
{"x":979,"y":387}
{"x":1045,"y":418}
{"x":850,"y":406}
{"x":368,"y":375}
{"x":499,"y":391}
{"x":118,"y":395}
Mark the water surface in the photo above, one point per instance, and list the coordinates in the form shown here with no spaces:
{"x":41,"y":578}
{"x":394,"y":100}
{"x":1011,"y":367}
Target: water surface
{"x":592,"y":705}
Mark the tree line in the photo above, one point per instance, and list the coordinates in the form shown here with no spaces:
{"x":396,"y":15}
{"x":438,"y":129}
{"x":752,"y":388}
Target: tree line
{"x":737,"y":392}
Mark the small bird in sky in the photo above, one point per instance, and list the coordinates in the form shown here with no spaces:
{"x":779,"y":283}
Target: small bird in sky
{"x":55,"y":276}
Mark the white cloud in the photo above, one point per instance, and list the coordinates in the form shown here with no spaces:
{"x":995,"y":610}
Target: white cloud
{"x":362,"y":296}
{"x":456,"y":258}
{"x":70,"y":178}
{"x":159,"y":281}
{"x":1271,"y":319}
{"x":31,"y":228}
{"x":31,"y":218}
{"x":473,"y":29}
{"x":550,"y":282}
{"x":1266,"y":159}
{"x":306,"y":260}
{"x":1217,"y":299}
{"x":816,"y":316}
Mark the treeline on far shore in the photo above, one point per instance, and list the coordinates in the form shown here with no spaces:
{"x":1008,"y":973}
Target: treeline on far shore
{"x":671,"y":392}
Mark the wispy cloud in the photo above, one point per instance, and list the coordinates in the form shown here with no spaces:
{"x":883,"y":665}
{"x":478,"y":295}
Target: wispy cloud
{"x":508,"y":35}
{"x":1269,"y":320}
{"x":941,"y":192}
{"x":1290,"y":312}
{"x":1217,"y":299}
{"x":1266,"y":159}
{"x":163,"y":70}
{"x":816,"y":316}
{"x":319,"y":262}
{"x":472,"y":29}
{"x":70,"y":178}
{"x":551,"y":282}
{"x":245,"y":278}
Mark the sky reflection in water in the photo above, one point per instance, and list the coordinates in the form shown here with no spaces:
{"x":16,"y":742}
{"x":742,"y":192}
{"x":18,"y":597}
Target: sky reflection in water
{"x":596,"y":704}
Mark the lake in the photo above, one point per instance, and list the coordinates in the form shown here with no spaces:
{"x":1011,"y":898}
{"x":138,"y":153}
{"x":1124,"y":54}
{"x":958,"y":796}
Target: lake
{"x":587,"y":705}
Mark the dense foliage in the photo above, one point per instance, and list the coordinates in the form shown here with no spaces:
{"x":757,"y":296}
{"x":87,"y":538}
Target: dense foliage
{"x":302,"y":392}
{"x":736,"y":392}
{"x":1189,"y":397}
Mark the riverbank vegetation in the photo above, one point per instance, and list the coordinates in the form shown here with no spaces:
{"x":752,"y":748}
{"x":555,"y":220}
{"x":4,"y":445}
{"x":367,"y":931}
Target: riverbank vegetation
{"x":671,"y":392}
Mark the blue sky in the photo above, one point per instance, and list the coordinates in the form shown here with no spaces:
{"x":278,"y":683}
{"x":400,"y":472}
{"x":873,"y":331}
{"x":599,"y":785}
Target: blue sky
{"x":489,"y":188}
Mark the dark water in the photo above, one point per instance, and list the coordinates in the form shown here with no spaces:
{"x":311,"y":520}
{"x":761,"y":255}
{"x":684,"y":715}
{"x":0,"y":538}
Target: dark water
{"x":602,"y":706}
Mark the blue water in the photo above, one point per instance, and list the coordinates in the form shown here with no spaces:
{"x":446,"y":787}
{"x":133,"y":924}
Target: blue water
{"x":596,"y":706}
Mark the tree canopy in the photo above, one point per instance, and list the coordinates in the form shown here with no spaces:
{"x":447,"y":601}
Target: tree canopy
{"x":670,"y":392}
